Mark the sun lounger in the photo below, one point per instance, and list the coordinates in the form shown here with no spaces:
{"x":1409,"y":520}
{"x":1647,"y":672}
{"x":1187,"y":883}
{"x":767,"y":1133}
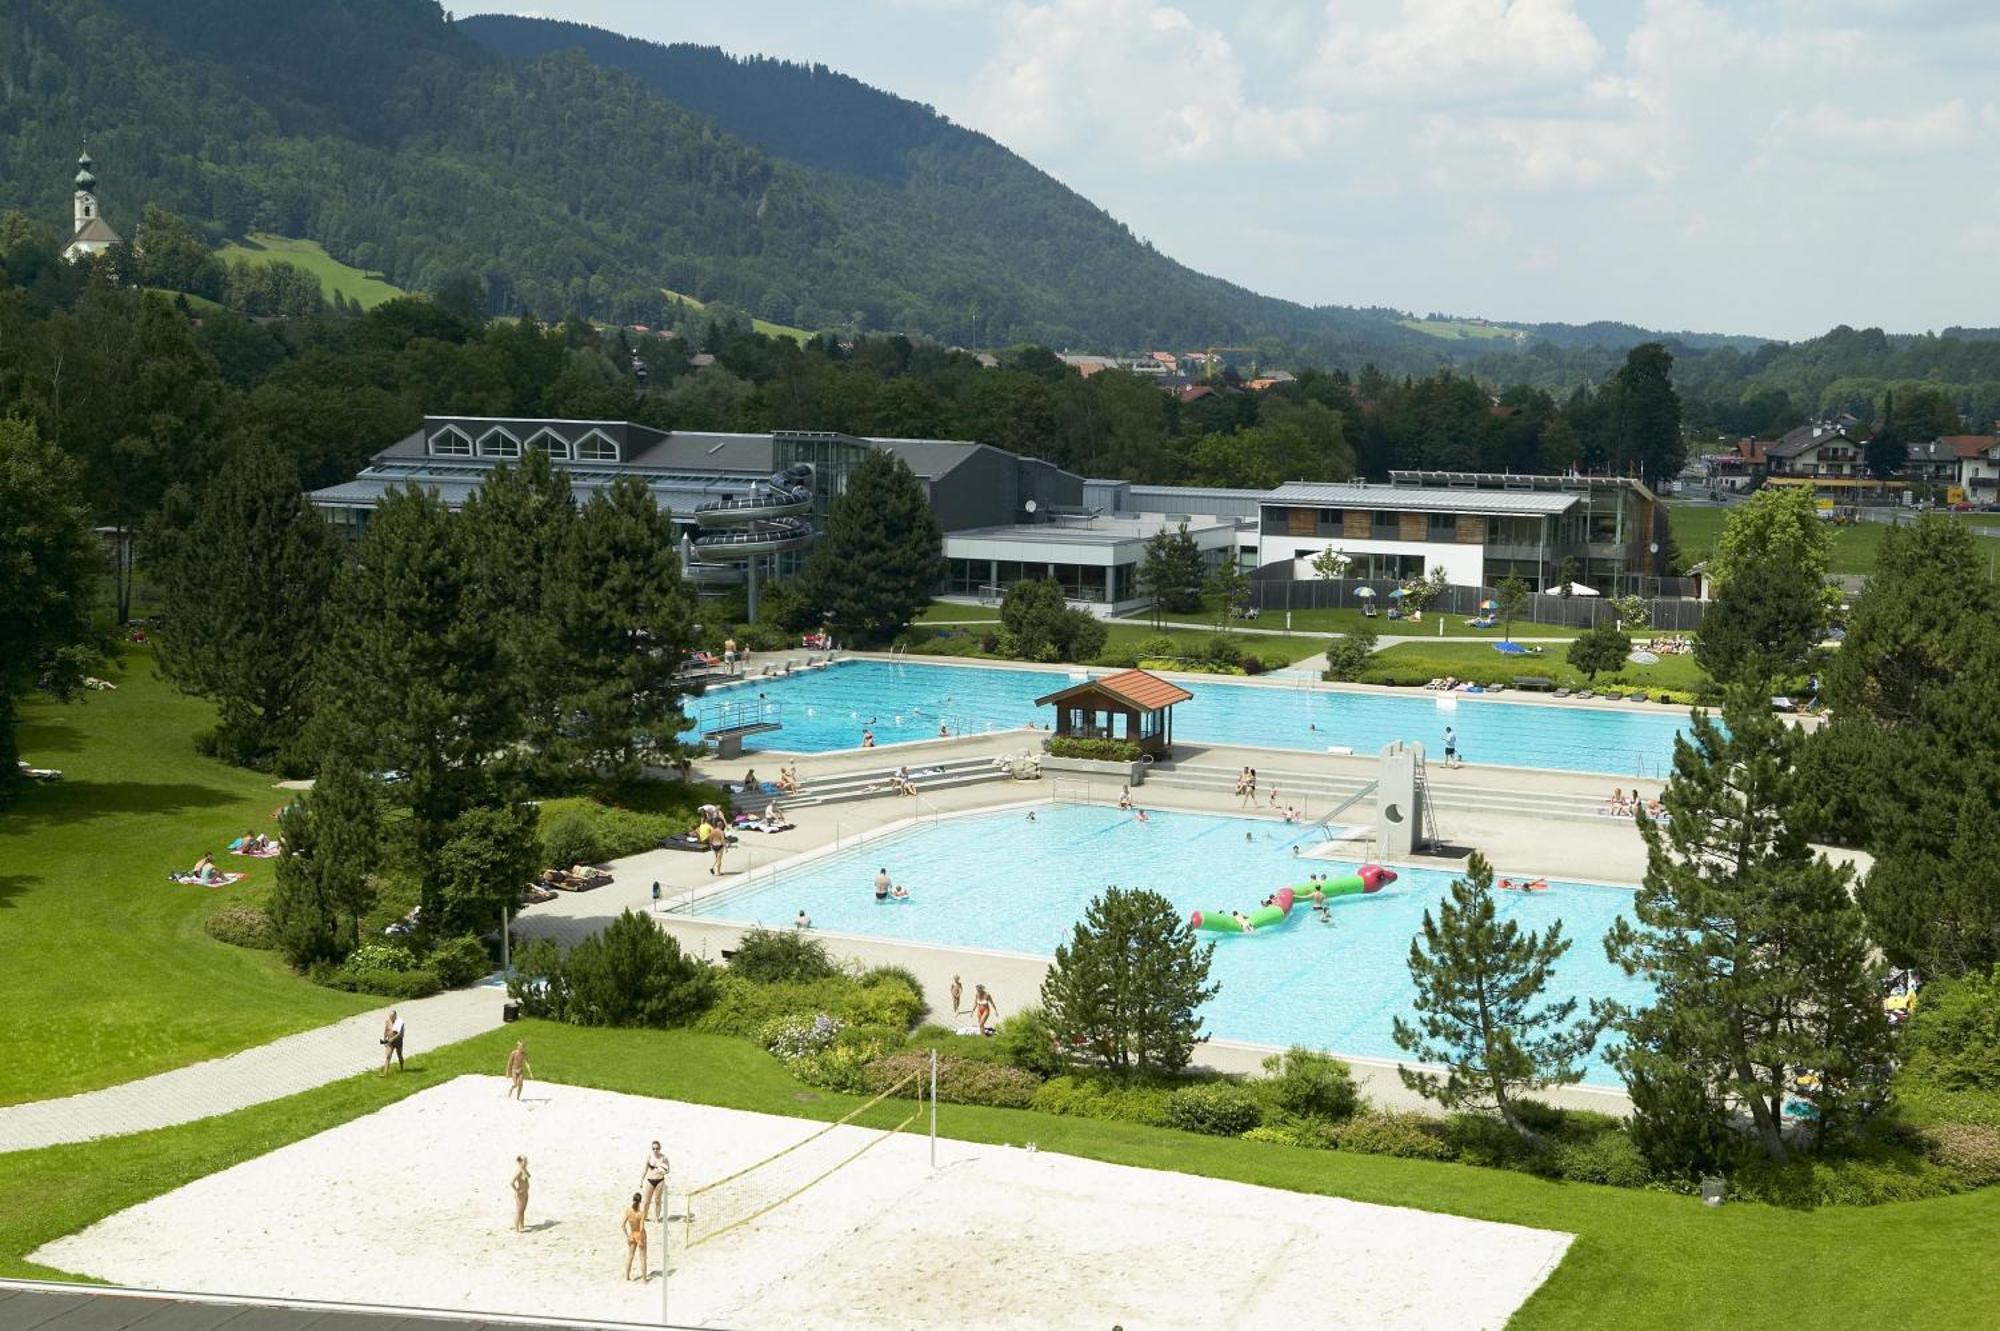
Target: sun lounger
{"x":1583,"y":693}
{"x":1562,"y":693}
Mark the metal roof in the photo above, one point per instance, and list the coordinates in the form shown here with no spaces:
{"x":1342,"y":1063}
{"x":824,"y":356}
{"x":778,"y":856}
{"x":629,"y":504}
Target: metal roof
{"x":1424,"y":499}
{"x":1108,"y":529}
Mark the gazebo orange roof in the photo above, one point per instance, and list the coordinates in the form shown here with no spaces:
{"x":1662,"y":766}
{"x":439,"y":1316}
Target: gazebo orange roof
{"x":1137,"y":688}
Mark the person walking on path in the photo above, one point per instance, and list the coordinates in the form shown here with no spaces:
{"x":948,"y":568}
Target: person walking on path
{"x":392,"y":1041}
{"x":635,"y":1237}
{"x":654,"y":1177}
{"x":517,"y":1068}
{"x":520,"y":1186}
{"x":718,"y":845}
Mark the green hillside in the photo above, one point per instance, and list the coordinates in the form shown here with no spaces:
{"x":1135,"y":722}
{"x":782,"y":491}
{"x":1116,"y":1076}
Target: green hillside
{"x":764,"y":326}
{"x":366,"y":289}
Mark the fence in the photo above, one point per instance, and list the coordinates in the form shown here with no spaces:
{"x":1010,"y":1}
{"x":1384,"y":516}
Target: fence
{"x":1275,"y":592}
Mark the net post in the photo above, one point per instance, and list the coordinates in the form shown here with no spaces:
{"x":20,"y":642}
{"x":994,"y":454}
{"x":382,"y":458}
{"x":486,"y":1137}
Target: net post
{"x":666,"y":1245}
{"x":934,"y":1066}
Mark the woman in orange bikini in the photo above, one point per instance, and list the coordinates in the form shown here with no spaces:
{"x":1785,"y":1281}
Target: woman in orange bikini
{"x":635,"y":1237}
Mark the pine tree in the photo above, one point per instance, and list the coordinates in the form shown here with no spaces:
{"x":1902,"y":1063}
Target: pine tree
{"x":1764,"y":622}
{"x":517,"y":526}
{"x":881,"y":558}
{"x":332,"y":841}
{"x":1649,"y":413}
{"x":243,"y":585}
{"x":1751,"y":941}
{"x":624,"y":623}
{"x":1479,"y":1005}
{"x":1128,"y":983}
{"x":49,"y":563}
{"x":410,"y":678}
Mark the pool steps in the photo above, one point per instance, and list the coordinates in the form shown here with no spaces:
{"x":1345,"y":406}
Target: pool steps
{"x":1318,"y":788}
{"x":841,"y":787}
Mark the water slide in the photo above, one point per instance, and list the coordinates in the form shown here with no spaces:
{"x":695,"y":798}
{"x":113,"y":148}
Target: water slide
{"x":773,"y":517}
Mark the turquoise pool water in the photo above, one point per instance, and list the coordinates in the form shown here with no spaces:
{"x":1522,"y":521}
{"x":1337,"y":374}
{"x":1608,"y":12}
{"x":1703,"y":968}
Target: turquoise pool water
{"x":999,"y":881}
{"x":829,"y":708}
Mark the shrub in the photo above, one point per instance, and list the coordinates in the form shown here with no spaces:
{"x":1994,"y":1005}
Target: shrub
{"x":990,"y":644}
{"x":903,"y":975}
{"x":1027,"y":1041}
{"x":241,"y":926}
{"x":1314,"y":1134}
{"x":1482,"y":1139}
{"x":950,"y":1044}
{"x":540,"y":984}
{"x":781,"y":956}
{"x":1969,"y":1150}
{"x":1217,"y":1108}
{"x":1103,"y":750}
{"x":569,"y":838}
{"x":1221,"y":650}
{"x":379,"y":958}
{"x":1409,"y":1136}
{"x":746,"y":1007}
{"x":634,"y":974}
{"x":888,"y":1000}
{"x":1305,"y":1083}
{"x":1608,"y":1157}
{"x":1083,"y":635}
{"x":404,"y":984}
{"x":1807,"y":1181}
{"x":1088,"y":1097}
{"x":1347,"y":656}
{"x":1158,"y":645}
{"x":459,"y":961}
{"x":1954,"y":1035}
{"x":961,"y":1081}
{"x":1252,"y":665}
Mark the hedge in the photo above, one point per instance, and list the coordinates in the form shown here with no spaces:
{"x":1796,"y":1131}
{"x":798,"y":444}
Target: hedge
{"x":961,"y":1081}
{"x":1103,"y":750}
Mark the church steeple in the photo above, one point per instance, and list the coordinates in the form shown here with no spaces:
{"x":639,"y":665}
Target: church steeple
{"x":91,"y":235}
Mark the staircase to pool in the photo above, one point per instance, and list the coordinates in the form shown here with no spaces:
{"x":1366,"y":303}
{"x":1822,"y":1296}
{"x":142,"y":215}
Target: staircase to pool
{"x":1321,"y":789}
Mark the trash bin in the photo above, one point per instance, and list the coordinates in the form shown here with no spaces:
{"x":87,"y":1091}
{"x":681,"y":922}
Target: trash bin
{"x":510,"y":1010}
{"x":1712,"y":1191}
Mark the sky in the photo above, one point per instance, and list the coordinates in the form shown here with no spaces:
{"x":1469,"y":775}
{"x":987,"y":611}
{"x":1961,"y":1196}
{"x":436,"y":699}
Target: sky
{"x":1773,"y":167}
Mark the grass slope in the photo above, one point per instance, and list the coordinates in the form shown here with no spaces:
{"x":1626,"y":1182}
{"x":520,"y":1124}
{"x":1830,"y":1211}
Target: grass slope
{"x":1461,"y":330}
{"x":959,"y":637}
{"x":370,"y":289}
{"x":107,"y":973}
{"x":1641,"y":1259}
{"x":764,"y":326}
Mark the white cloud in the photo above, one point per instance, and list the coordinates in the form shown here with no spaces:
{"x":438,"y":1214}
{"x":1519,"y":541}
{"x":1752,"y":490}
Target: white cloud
{"x":1128,"y":80}
{"x":1451,"y":51}
{"x":1837,"y":130}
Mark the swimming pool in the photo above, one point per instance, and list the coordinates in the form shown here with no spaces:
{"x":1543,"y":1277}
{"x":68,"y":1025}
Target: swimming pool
{"x":828,"y":709}
{"x":997,"y":881}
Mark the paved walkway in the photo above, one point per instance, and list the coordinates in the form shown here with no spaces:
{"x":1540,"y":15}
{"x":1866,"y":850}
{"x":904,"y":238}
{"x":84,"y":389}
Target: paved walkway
{"x":252,"y":1077}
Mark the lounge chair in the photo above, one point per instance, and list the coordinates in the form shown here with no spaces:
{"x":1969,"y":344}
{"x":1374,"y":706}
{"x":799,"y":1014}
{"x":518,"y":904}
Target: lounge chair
{"x":1562,"y":693}
{"x":1584,"y":693}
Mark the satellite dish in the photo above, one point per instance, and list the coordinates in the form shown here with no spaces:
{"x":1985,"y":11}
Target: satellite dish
{"x":1030,"y":506}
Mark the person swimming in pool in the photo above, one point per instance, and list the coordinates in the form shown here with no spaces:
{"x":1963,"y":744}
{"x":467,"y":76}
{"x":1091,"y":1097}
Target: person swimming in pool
{"x":882,"y":883}
{"x":901,"y":893}
{"x":1243,"y":922}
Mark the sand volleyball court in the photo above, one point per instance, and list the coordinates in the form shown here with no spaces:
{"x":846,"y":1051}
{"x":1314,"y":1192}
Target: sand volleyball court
{"x":410,"y":1206}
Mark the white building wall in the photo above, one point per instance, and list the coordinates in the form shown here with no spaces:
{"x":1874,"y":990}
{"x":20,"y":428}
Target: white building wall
{"x":1464,"y":565}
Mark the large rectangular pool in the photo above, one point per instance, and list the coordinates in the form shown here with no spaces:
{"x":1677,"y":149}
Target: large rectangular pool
{"x":1000,"y":881}
{"x":829,"y":708}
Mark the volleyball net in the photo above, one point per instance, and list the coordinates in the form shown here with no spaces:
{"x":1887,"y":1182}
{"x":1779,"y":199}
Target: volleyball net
{"x":749,"y":1194}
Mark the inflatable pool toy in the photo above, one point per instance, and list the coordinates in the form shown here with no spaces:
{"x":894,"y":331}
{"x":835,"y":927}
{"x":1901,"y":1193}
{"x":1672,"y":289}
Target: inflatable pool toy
{"x":1368,"y":878}
{"x":1524,"y":885}
{"x":1224,"y":922}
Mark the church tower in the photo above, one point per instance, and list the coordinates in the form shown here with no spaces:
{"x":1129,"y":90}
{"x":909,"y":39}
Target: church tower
{"x":92,"y":235}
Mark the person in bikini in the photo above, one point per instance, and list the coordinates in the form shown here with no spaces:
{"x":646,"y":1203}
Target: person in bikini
{"x":654,"y":1177}
{"x":983,"y":1009}
{"x":517,"y":1069}
{"x":520,"y":1186}
{"x":634,"y":1225}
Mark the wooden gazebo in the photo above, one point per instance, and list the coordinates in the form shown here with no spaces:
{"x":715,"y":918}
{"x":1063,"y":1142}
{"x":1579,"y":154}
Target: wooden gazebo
{"x":1092,"y":709}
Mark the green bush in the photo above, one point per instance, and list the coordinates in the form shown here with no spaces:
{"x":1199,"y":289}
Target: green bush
{"x":902,"y":975}
{"x":404,"y":984}
{"x":1221,"y":650}
{"x":1953,"y":1040}
{"x":1305,"y":1083}
{"x":781,"y":956}
{"x":950,"y":1044}
{"x":1348,"y":655}
{"x":241,"y":926}
{"x":1482,"y":1139}
{"x":569,"y":838}
{"x":1087,"y":1097}
{"x":459,"y":961}
{"x":1158,"y":645}
{"x":1027,"y":1041}
{"x":1103,"y":750}
{"x":1083,"y":635}
{"x":1969,"y":1150}
{"x":961,"y":1081}
{"x":1409,"y":1136}
{"x":1217,"y":1108}
{"x":539,"y":982}
{"x":1608,"y":1157}
{"x":1311,"y":1133}
{"x":634,"y":974}
{"x":379,"y":958}
{"x":1194,"y":667}
{"x":746,"y":1007}
{"x":1806,"y":1182}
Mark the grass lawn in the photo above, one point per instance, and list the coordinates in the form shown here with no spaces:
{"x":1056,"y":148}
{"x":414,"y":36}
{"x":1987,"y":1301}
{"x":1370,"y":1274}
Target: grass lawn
{"x":1477,"y":661}
{"x":118,"y":980}
{"x":948,"y":612}
{"x":1641,"y":1259}
{"x":1461,"y":330}
{"x":764,"y":326}
{"x":370,"y":289}
{"x":1347,"y":619}
{"x":958,"y":638}
{"x":1697,"y":527}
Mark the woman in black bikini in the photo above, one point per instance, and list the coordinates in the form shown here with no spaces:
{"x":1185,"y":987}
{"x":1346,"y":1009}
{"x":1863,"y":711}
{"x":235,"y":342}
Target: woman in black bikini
{"x":654,"y":1176}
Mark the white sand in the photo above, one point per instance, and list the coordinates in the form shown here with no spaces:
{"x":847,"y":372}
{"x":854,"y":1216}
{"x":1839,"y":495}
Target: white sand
{"x":409,"y":1206}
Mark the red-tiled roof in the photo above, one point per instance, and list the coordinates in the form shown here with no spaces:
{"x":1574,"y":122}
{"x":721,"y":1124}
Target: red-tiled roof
{"x":1138,"y":688}
{"x":1969,"y":445}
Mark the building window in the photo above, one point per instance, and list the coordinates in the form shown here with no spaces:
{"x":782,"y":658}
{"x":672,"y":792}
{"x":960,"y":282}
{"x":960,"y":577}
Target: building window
{"x":1442,"y":527}
{"x":596,"y":446}
{"x":551,"y":443}
{"x":1329,"y":517}
{"x":1384,"y":526}
{"x":499,"y":442}
{"x":451,"y":442}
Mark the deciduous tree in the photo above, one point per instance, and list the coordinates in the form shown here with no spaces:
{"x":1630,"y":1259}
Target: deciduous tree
{"x":1764,"y":622}
{"x":1602,"y":648}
